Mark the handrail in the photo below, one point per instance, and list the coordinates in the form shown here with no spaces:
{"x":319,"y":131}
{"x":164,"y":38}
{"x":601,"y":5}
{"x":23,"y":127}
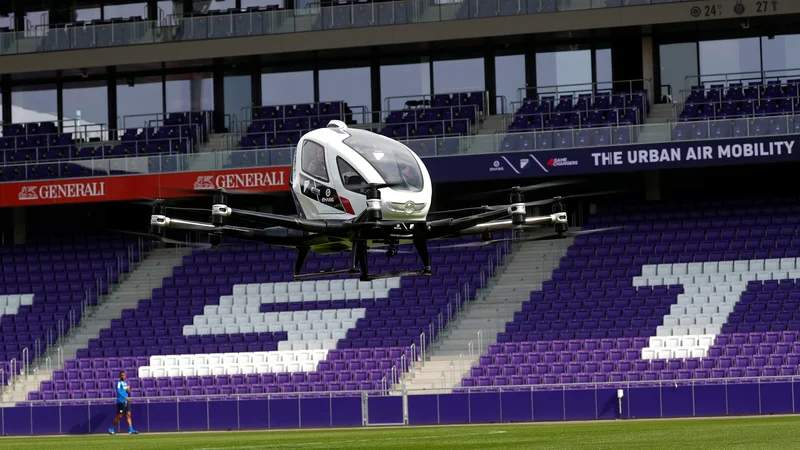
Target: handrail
{"x":557,"y":89}
{"x":247,"y":111}
{"x":13,"y":366}
{"x":517,"y":106}
{"x":452,"y":374}
{"x":724,"y":78}
{"x":679,"y":108}
{"x":422,"y":346}
{"x":475,"y":144}
{"x":423,"y":97}
{"x":34,"y":156}
{"x":503,"y":102}
{"x":25,"y":358}
{"x":280,"y":16}
{"x":161,"y":117}
{"x":37,"y":348}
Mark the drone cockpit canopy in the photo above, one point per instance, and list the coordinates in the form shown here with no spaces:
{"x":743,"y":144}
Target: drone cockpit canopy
{"x":393,"y":161}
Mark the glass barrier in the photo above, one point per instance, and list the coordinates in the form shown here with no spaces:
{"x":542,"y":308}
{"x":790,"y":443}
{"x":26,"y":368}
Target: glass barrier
{"x":264,"y":21}
{"x":563,"y":140}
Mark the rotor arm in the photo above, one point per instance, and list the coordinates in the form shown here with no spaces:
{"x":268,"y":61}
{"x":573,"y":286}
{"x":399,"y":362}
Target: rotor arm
{"x":250,"y":234}
{"x":162,"y":221}
{"x":294,"y":223}
{"x":510,"y":225}
{"x":446,"y":227}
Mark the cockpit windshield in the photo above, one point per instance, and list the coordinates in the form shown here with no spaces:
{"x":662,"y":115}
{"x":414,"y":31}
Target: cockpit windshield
{"x":393,"y":161}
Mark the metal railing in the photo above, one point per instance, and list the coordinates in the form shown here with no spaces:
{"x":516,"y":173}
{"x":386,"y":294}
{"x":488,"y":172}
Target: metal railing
{"x":618,"y":118}
{"x":366,"y":119}
{"x":744,"y":112}
{"x":720,"y":91}
{"x":591,"y":89}
{"x":562,"y":140}
{"x":237,"y":23}
{"x":422,"y":348}
{"x":13,"y":367}
{"x":725,"y":79}
{"x":25,"y":362}
{"x":80,"y":129}
{"x":64,"y":328}
{"x":426,"y":100}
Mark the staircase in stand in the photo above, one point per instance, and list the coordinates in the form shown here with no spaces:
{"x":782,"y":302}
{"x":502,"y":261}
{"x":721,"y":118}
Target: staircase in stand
{"x":469,"y":336}
{"x":656,"y":127}
{"x":139,"y":285}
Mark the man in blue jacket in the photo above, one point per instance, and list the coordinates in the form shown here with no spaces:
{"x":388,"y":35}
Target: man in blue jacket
{"x":123,"y":404}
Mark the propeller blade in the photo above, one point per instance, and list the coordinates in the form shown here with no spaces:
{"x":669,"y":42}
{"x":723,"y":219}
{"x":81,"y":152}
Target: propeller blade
{"x":567,"y":197}
{"x":536,"y":187}
{"x":546,"y":237}
{"x":212,"y":191}
{"x":153,"y":201}
{"x":483,"y":208}
{"x":180,"y":208}
{"x":533,"y":203}
{"x":163,"y":239}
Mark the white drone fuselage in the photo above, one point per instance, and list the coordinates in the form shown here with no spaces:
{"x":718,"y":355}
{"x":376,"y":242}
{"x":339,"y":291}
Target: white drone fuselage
{"x":332,"y":165}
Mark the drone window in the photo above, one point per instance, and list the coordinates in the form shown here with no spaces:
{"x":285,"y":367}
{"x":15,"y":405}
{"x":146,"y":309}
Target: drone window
{"x":313,"y":160}
{"x":351,"y":179}
{"x":393,"y":161}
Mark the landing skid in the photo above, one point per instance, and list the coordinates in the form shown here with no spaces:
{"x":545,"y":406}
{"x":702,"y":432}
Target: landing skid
{"x":367,"y":277}
{"x":325,"y":273}
{"x":397,"y":273}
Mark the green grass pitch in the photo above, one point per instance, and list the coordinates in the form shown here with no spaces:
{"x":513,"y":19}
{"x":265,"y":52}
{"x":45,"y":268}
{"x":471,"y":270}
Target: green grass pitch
{"x":728,"y":433}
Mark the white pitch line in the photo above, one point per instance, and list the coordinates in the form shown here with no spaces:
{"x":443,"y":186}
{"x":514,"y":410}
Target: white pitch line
{"x":353,"y":441}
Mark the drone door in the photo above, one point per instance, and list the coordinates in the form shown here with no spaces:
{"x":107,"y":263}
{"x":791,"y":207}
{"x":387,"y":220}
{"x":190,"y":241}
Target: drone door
{"x":319,"y":196}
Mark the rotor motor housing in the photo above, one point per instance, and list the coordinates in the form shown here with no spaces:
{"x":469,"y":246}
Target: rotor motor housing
{"x":222,"y":200}
{"x":158,"y":210}
{"x":559,"y":207}
{"x":517,"y":209}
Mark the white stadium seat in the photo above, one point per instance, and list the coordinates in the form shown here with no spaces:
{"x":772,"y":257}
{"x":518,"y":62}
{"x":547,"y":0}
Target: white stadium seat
{"x":681,"y":352}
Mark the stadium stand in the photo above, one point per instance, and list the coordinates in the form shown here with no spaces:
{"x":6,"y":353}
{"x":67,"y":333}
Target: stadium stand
{"x":233,"y":322}
{"x":737,"y":110}
{"x":34,"y":151}
{"x":48,"y":284}
{"x":602,"y":119}
{"x":688,"y":292}
{"x":282,"y":125}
